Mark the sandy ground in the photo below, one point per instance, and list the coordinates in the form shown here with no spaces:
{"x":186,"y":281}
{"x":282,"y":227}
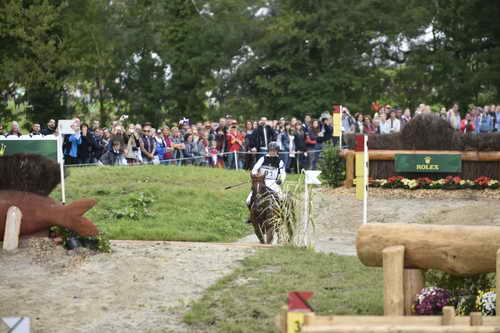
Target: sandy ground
{"x":141,"y":287}
{"x":146,"y":286}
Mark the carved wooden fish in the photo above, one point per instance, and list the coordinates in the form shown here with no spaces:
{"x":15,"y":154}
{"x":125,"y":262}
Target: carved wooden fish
{"x":40,"y":213}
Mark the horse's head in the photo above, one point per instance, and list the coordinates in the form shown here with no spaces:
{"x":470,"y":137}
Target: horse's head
{"x":258,"y":183}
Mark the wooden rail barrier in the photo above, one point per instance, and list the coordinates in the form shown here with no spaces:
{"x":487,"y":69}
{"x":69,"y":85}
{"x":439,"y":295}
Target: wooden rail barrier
{"x":448,"y":322}
{"x":389,"y":155}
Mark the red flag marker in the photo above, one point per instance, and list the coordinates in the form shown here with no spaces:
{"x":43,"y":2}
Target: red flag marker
{"x":297,"y":301}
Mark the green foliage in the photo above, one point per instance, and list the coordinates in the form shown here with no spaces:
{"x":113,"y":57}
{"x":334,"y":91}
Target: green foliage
{"x":135,"y":207}
{"x":332,"y":166}
{"x":248,"y":299}
{"x":99,"y":243}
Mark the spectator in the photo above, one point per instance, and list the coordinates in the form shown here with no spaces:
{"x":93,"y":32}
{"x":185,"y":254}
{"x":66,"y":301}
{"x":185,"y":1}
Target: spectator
{"x":200,"y":149}
{"x":114,"y":156}
{"x":299,"y":138}
{"x":307,"y":123}
{"x":467,"y":124}
{"x":161,"y":146}
{"x":262,"y":136}
{"x":106,"y":138}
{"x":497,"y":118}
{"x":169,"y":149}
{"x":147,"y":144}
{"x":35,"y":130}
{"x":74,"y":140}
{"x":348,"y":123}
{"x":118,"y":134}
{"x":132,"y":137}
{"x":95,"y":125}
{"x":368,"y":126}
{"x":311,"y":144}
{"x":248,"y":144}
{"x":86,"y":146}
{"x":453,"y":117}
{"x":285,"y":141}
{"x":394,"y":123}
{"x":51,"y":128}
{"x":405,"y":118}
{"x":14,"y":130}
{"x":178,"y":145}
{"x":188,"y":151}
{"x":384,"y":126}
{"x":359,"y":125}
{"x":100,"y":145}
{"x":235,"y":143}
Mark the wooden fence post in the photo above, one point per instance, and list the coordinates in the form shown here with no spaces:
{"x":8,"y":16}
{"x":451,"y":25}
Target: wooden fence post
{"x":12,"y":229}
{"x":393,"y":264}
{"x":476,"y":319}
{"x":448,"y":318}
{"x":413,"y":284}
{"x":349,"y":169}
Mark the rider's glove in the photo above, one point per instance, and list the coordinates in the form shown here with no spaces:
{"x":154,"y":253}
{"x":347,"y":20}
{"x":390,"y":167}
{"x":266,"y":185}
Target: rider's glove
{"x":278,"y":181}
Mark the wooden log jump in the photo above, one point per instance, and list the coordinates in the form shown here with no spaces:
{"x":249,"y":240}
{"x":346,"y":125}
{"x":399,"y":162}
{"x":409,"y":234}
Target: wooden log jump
{"x":458,"y":250}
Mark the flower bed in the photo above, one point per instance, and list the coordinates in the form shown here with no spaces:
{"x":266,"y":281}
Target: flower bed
{"x":448,"y":183}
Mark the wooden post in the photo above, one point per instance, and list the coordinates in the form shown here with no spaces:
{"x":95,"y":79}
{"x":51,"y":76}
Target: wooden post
{"x":284,"y":318}
{"x":349,"y":169}
{"x":12,"y":229}
{"x":497,"y":277}
{"x":413,"y":283}
{"x":393,"y":262}
{"x":476,"y":319}
{"x":448,"y":318}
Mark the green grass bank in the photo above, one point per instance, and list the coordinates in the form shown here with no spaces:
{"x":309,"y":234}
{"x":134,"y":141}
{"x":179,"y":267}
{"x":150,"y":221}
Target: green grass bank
{"x":163,"y":202}
{"x":248,"y":299}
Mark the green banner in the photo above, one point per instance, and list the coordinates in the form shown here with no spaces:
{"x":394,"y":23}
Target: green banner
{"x":444,"y":163}
{"x":38,"y":146}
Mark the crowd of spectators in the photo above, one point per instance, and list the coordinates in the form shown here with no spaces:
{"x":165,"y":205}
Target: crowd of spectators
{"x":233,"y":145}
{"x":386,"y":120}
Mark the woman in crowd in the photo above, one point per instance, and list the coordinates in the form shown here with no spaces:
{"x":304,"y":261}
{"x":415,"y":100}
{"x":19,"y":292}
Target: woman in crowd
{"x":312,"y":144}
{"x":299,"y":139}
{"x":86,"y":146}
{"x":188,"y":151}
{"x":178,"y":145}
{"x":359,"y":125}
{"x":132,"y":137}
{"x":161,"y":146}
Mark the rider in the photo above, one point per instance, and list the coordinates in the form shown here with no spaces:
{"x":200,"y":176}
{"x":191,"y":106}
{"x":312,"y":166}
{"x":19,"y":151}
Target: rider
{"x":273,"y":168}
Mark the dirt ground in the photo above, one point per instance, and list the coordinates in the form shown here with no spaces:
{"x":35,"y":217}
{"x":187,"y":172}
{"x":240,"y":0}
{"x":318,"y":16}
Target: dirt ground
{"x":146,"y":286}
{"x":140,"y":287}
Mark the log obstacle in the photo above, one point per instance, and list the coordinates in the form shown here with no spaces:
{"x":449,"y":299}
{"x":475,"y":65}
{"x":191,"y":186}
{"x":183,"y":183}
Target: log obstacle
{"x":448,"y":322}
{"x":457,"y":250}
{"x":406,"y":250}
{"x":12,"y":229}
{"x":389,"y":155}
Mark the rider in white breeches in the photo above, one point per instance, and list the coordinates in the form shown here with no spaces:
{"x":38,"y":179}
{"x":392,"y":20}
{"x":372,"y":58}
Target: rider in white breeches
{"x":273,"y":168}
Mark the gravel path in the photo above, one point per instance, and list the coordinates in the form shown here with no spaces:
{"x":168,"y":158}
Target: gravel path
{"x":141,"y":287}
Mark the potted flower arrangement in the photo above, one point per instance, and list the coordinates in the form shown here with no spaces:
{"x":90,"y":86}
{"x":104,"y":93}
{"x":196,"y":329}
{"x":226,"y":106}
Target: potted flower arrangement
{"x":431,"y":300}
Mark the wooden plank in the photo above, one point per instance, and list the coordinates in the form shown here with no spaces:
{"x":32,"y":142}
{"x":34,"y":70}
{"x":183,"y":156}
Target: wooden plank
{"x":448,"y":318}
{"x":12,"y":229}
{"x":413,"y":282}
{"x":476,"y":319}
{"x":393,"y":263}
{"x":399,"y":329}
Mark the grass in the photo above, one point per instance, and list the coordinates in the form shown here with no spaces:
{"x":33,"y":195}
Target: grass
{"x":248,"y":299}
{"x":163,"y":202}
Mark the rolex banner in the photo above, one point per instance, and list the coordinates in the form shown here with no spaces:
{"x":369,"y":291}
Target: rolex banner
{"x":46,"y":147}
{"x":444,"y":163}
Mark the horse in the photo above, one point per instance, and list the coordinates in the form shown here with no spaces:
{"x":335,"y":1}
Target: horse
{"x":268,"y":212}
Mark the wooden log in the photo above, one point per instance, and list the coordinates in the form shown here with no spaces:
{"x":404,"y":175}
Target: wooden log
{"x":413,"y":282}
{"x":455,"y":249}
{"x":398,"y":329}
{"x":389,"y":155}
{"x":448,"y":316}
{"x":12,"y":228}
{"x":393,"y":261}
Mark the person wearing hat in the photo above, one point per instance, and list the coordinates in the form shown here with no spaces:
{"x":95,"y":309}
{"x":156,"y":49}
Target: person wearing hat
{"x":273,"y":168}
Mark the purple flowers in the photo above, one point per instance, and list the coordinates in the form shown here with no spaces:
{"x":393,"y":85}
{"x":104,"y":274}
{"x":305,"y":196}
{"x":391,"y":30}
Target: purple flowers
{"x":430,"y":301}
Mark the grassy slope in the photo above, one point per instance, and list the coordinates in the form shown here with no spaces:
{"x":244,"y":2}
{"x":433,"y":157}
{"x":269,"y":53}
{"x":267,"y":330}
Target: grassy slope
{"x":249,"y":298}
{"x":189,"y":203}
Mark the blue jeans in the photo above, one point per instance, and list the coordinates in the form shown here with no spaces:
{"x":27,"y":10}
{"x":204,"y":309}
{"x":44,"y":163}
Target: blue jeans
{"x":231,"y":161}
{"x":285,"y":157}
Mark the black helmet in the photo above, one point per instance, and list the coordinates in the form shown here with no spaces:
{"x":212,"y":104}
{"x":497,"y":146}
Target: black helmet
{"x":273,"y":146}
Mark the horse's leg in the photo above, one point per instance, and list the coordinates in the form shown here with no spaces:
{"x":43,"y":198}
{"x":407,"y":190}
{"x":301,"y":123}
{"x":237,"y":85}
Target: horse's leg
{"x":269,"y":235}
{"x":258,"y":232}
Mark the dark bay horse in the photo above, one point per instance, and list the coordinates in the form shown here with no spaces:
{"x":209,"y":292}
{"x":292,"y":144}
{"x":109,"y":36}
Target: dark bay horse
{"x":268,"y":212}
